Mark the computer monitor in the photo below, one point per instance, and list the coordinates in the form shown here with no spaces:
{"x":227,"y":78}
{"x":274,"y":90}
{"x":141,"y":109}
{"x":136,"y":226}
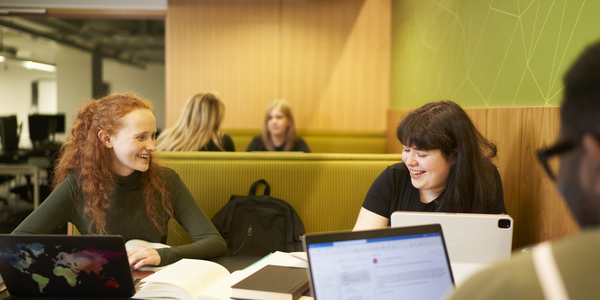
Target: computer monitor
{"x":9,"y":136}
{"x":43,"y":127}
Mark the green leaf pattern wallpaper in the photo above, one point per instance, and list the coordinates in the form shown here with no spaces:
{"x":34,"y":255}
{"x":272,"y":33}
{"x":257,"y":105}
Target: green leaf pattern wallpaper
{"x":487,"y":53}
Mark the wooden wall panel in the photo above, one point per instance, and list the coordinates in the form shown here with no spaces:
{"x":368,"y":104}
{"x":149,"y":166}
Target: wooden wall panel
{"x":335,"y":62}
{"x":500,"y":126}
{"x":541,"y":125}
{"x":530,"y":197}
{"x":229,"y":47}
{"x":329,"y":58}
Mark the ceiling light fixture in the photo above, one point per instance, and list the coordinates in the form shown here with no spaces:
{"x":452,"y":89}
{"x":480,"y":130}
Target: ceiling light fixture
{"x":28,"y":64}
{"x":9,"y":54}
{"x":39,"y":66}
{"x":8,"y":11}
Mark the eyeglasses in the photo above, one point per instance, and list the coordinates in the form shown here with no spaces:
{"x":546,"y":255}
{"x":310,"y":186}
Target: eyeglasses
{"x":550,"y":157}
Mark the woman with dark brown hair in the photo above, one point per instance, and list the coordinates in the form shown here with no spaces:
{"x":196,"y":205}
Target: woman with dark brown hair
{"x":106,"y":182}
{"x":446,"y":167}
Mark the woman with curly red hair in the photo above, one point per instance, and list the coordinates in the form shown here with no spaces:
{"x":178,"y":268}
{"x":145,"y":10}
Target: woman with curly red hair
{"x":106,"y":182}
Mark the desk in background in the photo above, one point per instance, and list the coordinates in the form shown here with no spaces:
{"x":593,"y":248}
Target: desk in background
{"x":31,"y":167}
{"x":21,"y":170}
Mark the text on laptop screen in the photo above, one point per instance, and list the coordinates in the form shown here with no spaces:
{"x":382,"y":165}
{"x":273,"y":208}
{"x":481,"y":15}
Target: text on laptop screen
{"x":407,"y":267}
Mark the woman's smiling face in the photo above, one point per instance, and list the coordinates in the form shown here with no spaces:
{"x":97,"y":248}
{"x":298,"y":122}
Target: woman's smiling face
{"x":134,"y":142}
{"x":429,"y":169}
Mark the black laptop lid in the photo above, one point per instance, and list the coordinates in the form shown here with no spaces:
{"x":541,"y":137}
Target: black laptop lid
{"x":62,"y":265}
{"x":391,"y":263}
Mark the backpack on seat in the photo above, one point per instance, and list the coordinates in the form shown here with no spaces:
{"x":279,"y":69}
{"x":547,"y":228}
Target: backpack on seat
{"x":256,"y":225}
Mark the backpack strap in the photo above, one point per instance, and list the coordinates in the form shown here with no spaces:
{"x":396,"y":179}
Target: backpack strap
{"x":252,"y":191}
{"x":548,"y":274}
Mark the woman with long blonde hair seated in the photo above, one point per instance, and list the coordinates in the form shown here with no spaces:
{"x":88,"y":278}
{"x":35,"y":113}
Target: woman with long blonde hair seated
{"x":198,"y":127}
{"x":279,"y":130}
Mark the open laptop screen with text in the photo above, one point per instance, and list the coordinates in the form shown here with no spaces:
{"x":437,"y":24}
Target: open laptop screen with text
{"x":391,"y":263}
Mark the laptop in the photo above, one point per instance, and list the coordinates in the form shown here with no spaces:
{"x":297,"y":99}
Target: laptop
{"x":65,"y":266}
{"x":474,"y":241}
{"x":390,"y":263}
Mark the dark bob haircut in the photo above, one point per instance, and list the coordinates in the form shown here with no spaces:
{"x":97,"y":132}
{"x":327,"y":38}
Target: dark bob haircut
{"x":444,"y":125}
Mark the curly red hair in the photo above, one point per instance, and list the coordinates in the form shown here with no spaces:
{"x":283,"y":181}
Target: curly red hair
{"x":85,"y":155}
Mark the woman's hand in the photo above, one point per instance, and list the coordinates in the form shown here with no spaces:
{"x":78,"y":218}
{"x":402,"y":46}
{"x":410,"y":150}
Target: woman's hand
{"x":143,"y":256}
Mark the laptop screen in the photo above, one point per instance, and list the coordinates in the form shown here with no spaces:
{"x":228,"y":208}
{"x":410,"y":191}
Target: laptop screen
{"x":59,"y":265}
{"x":393,"y":263}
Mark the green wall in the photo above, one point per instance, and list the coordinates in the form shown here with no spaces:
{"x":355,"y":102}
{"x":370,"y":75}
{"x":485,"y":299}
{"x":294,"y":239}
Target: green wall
{"x":486,"y":53}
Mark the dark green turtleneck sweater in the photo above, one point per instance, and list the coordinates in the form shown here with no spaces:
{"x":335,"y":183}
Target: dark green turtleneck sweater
{"x":127,"y":216}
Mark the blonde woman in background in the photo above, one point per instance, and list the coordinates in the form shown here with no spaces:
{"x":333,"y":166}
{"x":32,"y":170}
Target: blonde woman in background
{"x":198,"y":127}
{"x":279,"y":131}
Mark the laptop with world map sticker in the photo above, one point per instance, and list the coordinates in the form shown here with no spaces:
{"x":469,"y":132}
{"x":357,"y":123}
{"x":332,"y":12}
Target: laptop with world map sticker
{"x":65,"y":266}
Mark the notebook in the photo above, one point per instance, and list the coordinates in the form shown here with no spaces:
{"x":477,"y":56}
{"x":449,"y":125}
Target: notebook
{"x":65,"y":266}
{"x":390,"y":263}
{"x":474,"y":241}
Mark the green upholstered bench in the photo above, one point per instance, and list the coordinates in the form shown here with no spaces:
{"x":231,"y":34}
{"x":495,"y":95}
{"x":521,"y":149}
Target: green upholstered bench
{"x":322,"y":141}
{"x":326,"y":190}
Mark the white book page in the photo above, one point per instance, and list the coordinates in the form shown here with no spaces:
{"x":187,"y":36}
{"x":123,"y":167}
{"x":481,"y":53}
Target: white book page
{"x":222,"y":290}
{"x":193,"y":276}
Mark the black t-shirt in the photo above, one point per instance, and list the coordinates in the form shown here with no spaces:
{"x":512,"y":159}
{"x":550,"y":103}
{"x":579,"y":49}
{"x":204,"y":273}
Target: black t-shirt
{"x":393,"y":191}
{"x":258,"y":145}
{"x":227,"y":142}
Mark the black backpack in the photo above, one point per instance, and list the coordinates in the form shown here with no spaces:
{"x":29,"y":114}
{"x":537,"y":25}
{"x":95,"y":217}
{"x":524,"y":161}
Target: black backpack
{"x":256,"y":225}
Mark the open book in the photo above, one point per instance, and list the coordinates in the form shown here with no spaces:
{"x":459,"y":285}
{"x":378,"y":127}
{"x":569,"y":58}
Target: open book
{"x":187,"y":279}
{"x":195,"y":279}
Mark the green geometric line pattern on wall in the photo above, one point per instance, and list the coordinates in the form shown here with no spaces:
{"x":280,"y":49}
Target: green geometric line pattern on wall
{"x":485,"y":53}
